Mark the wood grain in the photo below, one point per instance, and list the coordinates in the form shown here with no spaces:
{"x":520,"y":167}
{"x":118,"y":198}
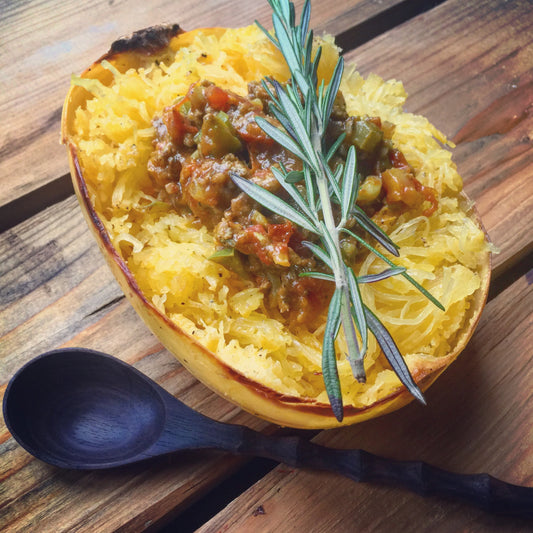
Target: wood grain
{"x":478,"y":419}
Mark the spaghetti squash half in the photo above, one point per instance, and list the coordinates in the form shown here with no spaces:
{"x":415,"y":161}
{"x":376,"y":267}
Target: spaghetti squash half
{"x":152,"y":128}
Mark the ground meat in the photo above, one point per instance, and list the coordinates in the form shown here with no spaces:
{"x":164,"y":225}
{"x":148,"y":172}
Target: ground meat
{"x":207,"y":188}
{"x":211,"y":134}
{"x":256,"y":91}
{"x":165,"y":164}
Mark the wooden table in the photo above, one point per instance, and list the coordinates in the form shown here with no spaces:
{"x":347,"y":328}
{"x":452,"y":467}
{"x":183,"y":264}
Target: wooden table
{"x":468,"y":66}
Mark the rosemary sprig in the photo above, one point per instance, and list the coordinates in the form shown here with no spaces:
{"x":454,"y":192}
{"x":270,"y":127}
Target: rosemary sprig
{"x":303,"y":108}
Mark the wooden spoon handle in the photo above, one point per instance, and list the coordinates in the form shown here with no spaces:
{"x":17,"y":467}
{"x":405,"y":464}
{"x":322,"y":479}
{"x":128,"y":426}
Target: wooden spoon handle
{"x":480,"y":490}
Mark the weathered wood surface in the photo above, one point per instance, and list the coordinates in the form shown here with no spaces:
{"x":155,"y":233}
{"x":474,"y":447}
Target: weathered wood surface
{"x":471,"y":75}
{"x":45,"y":42}
{"x":478,"y":419}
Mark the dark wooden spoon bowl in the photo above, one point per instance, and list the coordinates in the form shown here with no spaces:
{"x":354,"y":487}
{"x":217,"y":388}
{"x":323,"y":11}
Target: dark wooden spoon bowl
{"x":81,"y":409}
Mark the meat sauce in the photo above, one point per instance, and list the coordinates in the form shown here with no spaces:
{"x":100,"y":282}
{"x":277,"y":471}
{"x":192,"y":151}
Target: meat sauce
{"x":211,"y":133}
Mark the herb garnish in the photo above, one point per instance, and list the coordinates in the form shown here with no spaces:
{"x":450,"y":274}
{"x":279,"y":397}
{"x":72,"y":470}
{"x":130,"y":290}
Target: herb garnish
{"x":303,"y":108}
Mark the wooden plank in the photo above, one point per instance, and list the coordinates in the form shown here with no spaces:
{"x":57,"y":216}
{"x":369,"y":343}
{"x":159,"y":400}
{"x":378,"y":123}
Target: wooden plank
{"x":53,"y":282}
{"x":367,"y":18}
{"x":468,"y":67}
{"x":45,"y":42}
{"x":478,"y":419}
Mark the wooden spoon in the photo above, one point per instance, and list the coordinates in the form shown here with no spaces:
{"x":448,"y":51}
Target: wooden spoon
{"x":81,"y":409}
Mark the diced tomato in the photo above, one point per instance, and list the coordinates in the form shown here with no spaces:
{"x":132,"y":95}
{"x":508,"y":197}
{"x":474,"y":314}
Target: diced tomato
{"x":252,"y":241}
{"x":177,"y":125}
{"x":218,"y":98}
{"x":401,"y":186}
{"x":376,"y":121}
{"x":280,"y":235}
{"x":398,"y":160}
{"x":174,"y":123}
{"x":270,"y":245}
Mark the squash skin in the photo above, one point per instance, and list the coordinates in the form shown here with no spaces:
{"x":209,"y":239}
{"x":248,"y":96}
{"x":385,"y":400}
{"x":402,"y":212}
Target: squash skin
{"x":253,"y":397}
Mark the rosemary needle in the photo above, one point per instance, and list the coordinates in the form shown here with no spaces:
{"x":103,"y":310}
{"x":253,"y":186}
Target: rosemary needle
{"x":303,"y":108}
